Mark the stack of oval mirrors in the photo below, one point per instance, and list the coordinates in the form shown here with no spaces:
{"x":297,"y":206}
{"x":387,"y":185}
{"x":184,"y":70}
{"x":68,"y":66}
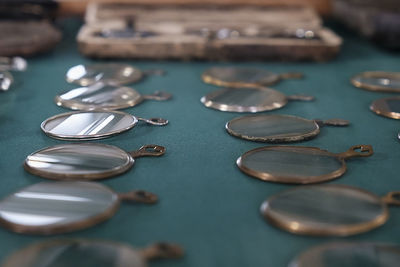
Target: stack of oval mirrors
{"x":385,"y":82}
{"x":77,"y":202}
{"x":308,"y":209}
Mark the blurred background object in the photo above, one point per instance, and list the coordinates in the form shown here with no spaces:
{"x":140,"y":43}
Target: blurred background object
{"x":26,"y":27}
{"x":378,"y":20}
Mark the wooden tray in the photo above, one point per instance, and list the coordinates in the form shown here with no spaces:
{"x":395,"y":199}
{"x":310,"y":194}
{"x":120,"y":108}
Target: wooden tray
{"x":178,"y":33}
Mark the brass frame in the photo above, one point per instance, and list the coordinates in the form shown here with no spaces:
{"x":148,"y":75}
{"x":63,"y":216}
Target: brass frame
{"x":207,"y":100}
{"x":153,"y":121}
{"x":275,"y":78}
{"x":135,"y":196}
{"x":154,"y":251}
{"x":375,"y":74}
{"x":131,"y":156}
{"x":365,"y":151}
{"x":86,"y":82}
{"x":393,"y":115}
{"x":340,"y":230}
{"x":297,"y":261}
{"x":78,"y":105}
{"x":270,"y":139}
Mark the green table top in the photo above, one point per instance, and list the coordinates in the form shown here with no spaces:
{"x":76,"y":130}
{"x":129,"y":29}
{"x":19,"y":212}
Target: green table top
{"x":206,"y":204}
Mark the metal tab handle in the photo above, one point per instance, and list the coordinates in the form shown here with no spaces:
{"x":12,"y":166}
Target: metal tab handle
{"x":158,"y":95}
{"x":333,"y":122}
{"x":162,"y":251}
{"x":148,"y":151}
{"x":392,"y":198}
{"x":300,"y":98}
{"x":291,"y":75}
{"x":357,"y":151}
{"x":139,"y":196}
{"x":154,"y":121}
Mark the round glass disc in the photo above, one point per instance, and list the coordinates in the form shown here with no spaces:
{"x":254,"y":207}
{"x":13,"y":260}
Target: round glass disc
{"x":272,"y":128}
{"x":325,"y":210}
{"x":99,"y":96}
{"x":349,"y":255}
{"x":291,"y":164}
{"x":79,"y":161}
{"x":378,"y":81}
{"x":88,"y":125}
{"x":77,"y":253}
{"x":387,"y":107}
{"x":109,"y":73}
{"x":245,"y":99}
{"x":57,"y":207}
{"x":239,"y":77}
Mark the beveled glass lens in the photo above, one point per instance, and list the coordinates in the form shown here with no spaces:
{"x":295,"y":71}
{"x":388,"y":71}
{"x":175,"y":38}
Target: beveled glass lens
{"x":325,"y":209}
{"x":45,"y":205}
{"x":378,"y":80}
{"x":110,"y":73}
{"x":232,"y":75}
{"x":78,"y":161}
{"x":349,"y":255}
{"x":99,"y":96}
{"x":88,"y":125}
{"x":272,"y":128}
{"x":245,"y":99}
{"x":77,"y":253}
{"x":290,"y":163}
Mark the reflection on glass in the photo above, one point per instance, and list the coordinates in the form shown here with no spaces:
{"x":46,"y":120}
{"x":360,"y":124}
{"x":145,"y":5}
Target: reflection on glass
{"x":59,"y":203}
{"x":88,"y":123}
{"x":78,"y":159}
{"x":324,"y":207}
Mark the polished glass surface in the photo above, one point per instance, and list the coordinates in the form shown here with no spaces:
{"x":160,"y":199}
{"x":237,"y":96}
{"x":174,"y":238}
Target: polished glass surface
{"x":323,"y":207}
{"x":378,"y":80}
{"x":271,"y":127}
{"x":110,"y":73}
{"x":99,"y":96}
{"x":50,"y":204}
{"x":245,"y":99}
{"x":76,"y":253}
{"x":6,"y":80}
{"x":78,"y":160}
{"x":299,"y":164}
{"x":241,"y":75}
{"x":388,"y":107}
{"x":86,"y":125}
{"x":349,"y":255}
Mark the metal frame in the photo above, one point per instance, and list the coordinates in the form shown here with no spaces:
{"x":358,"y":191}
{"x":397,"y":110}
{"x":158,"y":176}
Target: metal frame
{"x":85,"y":137}
{"x":130,"y":156}
{"x":207,"y":100}
{"x":375,"y":74}
{"x":271,"y":139}
{"x":376,"y":107}
{"x":137,"y":196}
{"x":340,"y":230}
{"x":366,"y":150}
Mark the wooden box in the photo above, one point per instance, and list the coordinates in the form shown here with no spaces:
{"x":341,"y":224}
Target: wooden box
{"x":207,"y":32}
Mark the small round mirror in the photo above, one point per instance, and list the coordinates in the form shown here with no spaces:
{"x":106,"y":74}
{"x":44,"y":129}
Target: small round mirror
{"x":108,"y":73}
{"x":378,"y":81}
{"x":89,"y":125}
{"x":335,"y":210}
{"x":89,"y":161}
{"x":104,"y":96}
{"x":387,"y":107}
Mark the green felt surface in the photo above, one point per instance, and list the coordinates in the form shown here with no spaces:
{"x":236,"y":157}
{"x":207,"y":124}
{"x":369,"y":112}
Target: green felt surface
{"x":206,"y":204}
